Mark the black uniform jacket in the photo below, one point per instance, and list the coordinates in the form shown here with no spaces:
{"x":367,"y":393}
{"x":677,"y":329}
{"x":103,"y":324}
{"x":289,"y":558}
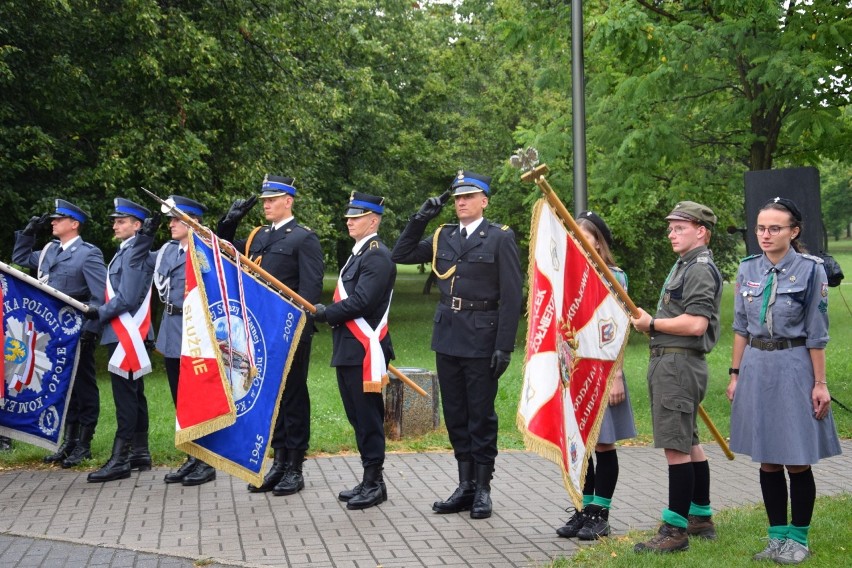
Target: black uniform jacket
{"x":486,"y":268}
{"x":368,"y":279}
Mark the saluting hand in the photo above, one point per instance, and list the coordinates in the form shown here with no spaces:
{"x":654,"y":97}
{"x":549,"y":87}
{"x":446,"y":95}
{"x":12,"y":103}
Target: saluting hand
{"x":239,"y":209}
{"x":37,"y":224}
{"x":431,"y":208}
{"x":150,"y":225}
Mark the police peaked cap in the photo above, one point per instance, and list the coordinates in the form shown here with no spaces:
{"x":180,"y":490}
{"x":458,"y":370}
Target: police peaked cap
{"x":361,"y":204}
{"x":469,"y":182}
{"x":599,"y":223}
{"x":127,"y":208}
{"x":68,"y":209}
{"x":185,"y":204}
{"x":274,"y":186}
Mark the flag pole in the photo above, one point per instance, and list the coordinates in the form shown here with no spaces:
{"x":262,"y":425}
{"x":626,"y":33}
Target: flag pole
{"x":232,"y":251}
{"x":44,"y":287}
{"x":536,"y":176}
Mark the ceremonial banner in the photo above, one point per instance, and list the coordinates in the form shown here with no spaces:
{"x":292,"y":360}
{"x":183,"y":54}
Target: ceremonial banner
{"x":41,"y":334}
{"x":575,"y":341}
{"x":238,"y":342}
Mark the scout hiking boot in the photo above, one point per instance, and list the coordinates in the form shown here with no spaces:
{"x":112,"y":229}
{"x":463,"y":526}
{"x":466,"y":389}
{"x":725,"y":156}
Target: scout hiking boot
{"x":668,"y":539}
{"x":771,"y":550}
{"x":701,"y":526}
{"x":573,"y":525}
{"x":792,"y":552}
{"x":596,"y":525}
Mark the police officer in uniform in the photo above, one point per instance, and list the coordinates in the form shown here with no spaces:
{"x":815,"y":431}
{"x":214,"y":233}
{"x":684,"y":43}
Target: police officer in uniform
{"x":359,"y":317}
{"x":75,"y":267}
{"x":169,"y":265}
{"x":291,"y":253}
{"x":684,"y":329}
{"x":131,"y":287}
{"x":479,"y":276}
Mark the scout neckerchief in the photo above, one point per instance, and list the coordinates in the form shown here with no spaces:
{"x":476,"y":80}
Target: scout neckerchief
{"x":130,"y":356}
{"x":769,"y":291}
{"x":374,"y":368}
{"x":666,"y":283}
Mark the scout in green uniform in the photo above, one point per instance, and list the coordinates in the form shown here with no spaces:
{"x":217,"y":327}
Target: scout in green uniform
{"x":684,"y":328}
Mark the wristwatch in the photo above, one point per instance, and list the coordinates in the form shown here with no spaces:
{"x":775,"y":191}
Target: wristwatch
{"x":733,"y":371}
{"x":651,"y":326}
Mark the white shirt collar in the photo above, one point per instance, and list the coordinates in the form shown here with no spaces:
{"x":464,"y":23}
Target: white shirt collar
{"x":471,"y":227}
{"x":281,"y":223}
{"x":360,"y":244}
{"x":67,"y":244}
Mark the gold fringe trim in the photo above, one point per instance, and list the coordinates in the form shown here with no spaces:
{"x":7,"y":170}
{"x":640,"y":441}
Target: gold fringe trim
{"x":375,"y":386}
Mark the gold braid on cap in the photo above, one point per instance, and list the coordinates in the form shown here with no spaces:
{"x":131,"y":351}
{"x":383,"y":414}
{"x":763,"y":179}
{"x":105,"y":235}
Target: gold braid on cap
{"x":452,"y":269}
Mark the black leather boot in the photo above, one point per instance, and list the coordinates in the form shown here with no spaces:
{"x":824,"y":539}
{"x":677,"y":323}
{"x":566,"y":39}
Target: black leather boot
{"x":372,"y":492}
{"x":83,"y":449}
{"x":293,"y":481}
{"x":69,"y":442}
{"x":348,"y":494}
{"x":276,"y":472}
{"x":481,"y":508}
{"x":118,"y":466}
{"x":462,"y":497}
{"x":202,"y":473}
{"x":185,"y":469}
{"x":140,"y":457}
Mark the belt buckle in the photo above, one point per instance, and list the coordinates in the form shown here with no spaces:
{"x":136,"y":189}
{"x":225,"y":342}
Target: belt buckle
{"x":455,"y":304}
{"x":769,"y":346}
{"x":170,"y":308}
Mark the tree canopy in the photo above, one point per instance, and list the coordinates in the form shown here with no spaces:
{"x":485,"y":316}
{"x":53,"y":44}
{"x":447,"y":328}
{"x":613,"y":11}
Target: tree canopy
{"x":202,"y":98}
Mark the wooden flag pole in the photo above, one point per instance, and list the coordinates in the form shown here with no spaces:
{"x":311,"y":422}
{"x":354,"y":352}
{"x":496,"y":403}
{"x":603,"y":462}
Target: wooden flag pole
{"x":536,"y":176}
{"x":232,"y":251}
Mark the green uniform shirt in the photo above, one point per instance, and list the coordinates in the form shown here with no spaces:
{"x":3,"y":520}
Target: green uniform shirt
{"x":694,"y":288}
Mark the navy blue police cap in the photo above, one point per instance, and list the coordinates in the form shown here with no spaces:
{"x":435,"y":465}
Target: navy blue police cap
{"x":469,"y":182}
{"x":275,"y":186}
{"x":127,"y":208}
{"x":68,"y":209}
{"x":599,"y":223}
{"x":185,"y":204}
{"x":361,"y":204}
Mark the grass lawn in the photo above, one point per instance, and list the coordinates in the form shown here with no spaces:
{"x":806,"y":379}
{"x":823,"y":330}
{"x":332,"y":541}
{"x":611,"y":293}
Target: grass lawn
{"x":411,"y":328}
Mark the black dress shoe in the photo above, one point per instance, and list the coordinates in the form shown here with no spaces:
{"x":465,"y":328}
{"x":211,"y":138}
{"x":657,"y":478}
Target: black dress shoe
{"x":185,"y":469}
{"x":201,"y":474}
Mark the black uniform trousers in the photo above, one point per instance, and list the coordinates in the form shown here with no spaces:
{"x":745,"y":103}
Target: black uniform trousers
{"x":172,"y":365}
{"x":293,"y":424}
{"x":468,"y":391}
{"x":85,"y":404}
{"x":131,"y":406}
{"x":365,"y":412}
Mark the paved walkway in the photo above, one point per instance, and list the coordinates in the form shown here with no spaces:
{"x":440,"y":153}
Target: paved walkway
{"x":53,"y":517}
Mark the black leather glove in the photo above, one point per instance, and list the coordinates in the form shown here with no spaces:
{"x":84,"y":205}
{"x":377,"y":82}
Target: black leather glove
{"x":431,"y":208}
{"x":320,"y":313}
{"x":499,"y":363}
{"x":91,"y":314}
{"x":36,"y":225}
{"x":239,"y":209}
{"x":150,"y":225}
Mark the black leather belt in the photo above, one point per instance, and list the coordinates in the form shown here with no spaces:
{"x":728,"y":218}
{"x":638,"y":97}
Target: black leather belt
{"x":173,"y":310}
{"x":458,"y":304}
{"x":660,"y":351}
{"x":775,"y":344}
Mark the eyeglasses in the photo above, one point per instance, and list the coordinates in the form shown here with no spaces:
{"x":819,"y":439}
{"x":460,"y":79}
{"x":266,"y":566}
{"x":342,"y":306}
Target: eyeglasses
{"x":677,"y":230}
{"x":772,"y":229}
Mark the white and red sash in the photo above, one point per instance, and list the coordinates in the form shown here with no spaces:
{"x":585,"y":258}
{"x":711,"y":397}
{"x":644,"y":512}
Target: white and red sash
{"x":375,"y":368}
{"x":130,"y":355}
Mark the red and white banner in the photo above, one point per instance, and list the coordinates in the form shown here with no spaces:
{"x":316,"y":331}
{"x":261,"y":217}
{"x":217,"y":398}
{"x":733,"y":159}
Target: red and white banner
{"x":130,"y":356}
{"x":204,"y":401}
{"x":575,"y":340}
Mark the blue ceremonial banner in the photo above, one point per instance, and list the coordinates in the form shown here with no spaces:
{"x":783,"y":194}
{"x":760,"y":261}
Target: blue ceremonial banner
{"x":41,"y":334}
{"x":256,"y":330}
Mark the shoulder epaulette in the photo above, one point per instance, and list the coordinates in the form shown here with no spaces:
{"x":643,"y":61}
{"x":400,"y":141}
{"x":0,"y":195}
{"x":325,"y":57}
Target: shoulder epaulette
{"x":816,"y":259}
{"x":499,"y":226}
{"x":753,"y":256}
{"x":87,"y":245}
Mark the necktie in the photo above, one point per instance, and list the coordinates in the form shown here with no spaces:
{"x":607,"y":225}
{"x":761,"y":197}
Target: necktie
{"x":464,"y":233}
